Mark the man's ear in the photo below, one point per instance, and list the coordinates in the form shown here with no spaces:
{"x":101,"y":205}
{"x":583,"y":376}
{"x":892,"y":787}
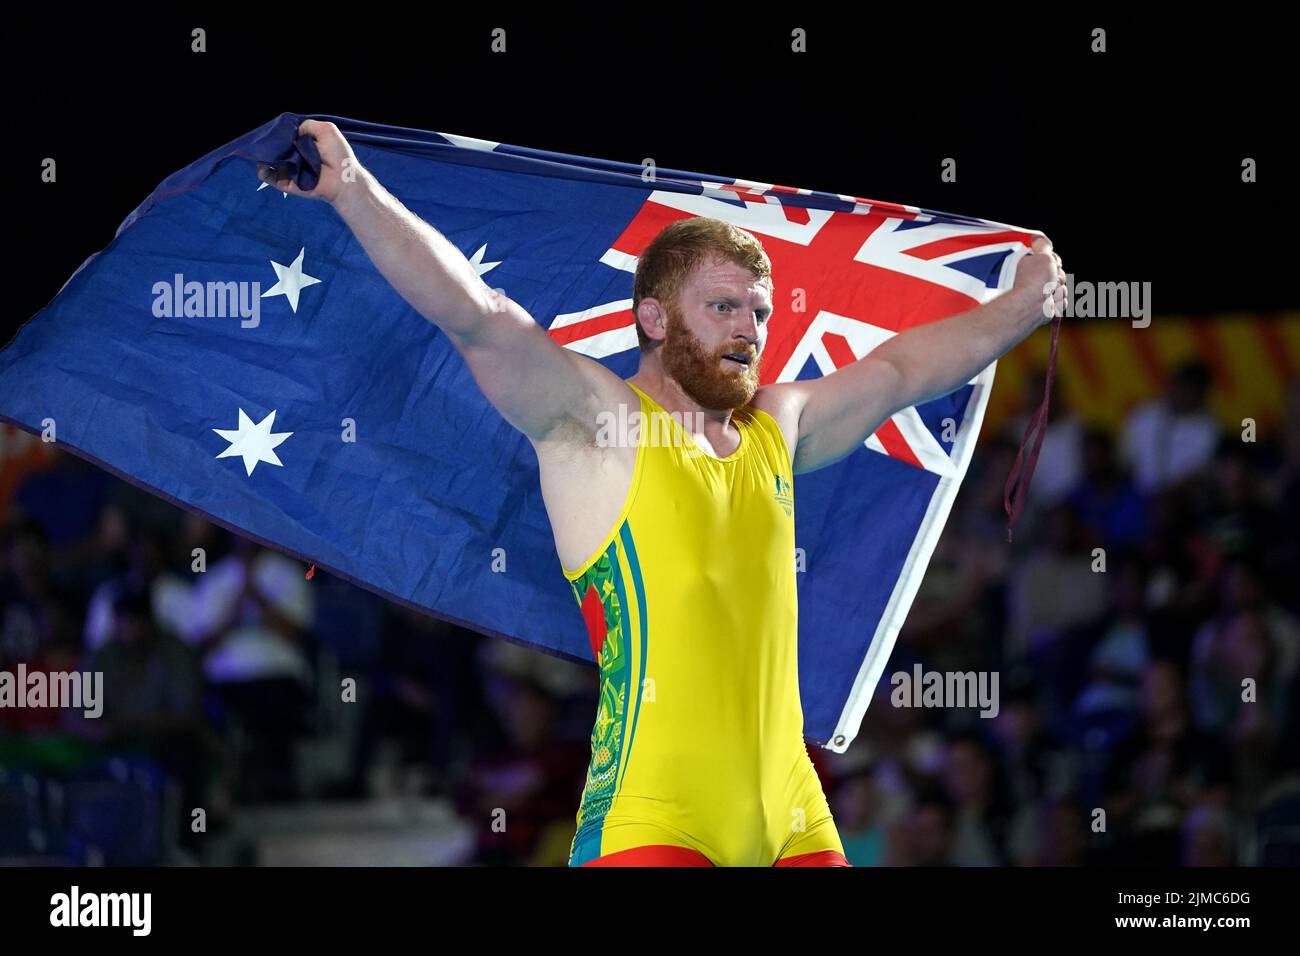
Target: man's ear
{"x":653,"y":318}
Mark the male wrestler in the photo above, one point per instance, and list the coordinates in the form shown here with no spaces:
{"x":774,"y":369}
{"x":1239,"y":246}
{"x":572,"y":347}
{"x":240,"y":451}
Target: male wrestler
{"x":681,"y":552}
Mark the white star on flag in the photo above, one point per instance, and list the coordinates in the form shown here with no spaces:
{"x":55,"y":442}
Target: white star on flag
{"x":253,"y":443}
{"x":267,"y":186}
{"x":476,"y":260}
{"x":291,"y":280}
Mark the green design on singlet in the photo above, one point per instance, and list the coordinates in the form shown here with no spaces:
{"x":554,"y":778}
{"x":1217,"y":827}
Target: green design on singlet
{"x":607,"y":732}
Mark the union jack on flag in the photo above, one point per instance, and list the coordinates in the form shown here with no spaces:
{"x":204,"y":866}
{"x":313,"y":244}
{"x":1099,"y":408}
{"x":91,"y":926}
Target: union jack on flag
{"x":239,"y":420}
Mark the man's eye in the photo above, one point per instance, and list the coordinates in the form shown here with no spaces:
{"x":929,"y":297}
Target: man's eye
{"x":722,"y":305}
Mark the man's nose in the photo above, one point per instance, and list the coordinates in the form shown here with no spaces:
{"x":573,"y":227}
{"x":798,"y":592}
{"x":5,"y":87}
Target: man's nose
{"x":748,"y":329}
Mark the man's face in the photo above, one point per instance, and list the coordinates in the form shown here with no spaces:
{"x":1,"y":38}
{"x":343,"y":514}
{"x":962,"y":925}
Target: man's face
{"x":715,"y":334}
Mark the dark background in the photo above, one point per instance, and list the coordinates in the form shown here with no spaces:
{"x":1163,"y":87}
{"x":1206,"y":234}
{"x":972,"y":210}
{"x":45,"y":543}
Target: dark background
{"x":1129,"y":160}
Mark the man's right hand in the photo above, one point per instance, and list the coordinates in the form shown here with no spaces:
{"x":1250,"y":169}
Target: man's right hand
{"x":339,"y":165}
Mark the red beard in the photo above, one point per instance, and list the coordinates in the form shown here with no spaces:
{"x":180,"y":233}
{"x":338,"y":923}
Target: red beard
{"x":702,"y":374}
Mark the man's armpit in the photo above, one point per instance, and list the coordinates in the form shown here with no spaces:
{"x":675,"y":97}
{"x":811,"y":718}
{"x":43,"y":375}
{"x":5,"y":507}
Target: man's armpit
{"x":570,"y":438}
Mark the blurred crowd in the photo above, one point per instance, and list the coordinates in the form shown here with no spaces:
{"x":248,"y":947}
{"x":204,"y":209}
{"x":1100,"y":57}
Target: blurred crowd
{"x":1143,"y":626}
{"x":1144,"y":629}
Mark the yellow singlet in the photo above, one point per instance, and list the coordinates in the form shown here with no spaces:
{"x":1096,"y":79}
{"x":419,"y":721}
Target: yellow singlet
{"x":691,"y":607}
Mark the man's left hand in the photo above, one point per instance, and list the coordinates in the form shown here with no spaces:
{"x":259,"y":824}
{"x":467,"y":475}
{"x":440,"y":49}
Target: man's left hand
{"x":1042,"y":272}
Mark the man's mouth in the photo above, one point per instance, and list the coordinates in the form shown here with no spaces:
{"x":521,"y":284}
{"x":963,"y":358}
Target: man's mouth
{"x":740,"y":358}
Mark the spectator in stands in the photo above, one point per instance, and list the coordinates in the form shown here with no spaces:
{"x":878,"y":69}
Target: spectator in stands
{"x":858,"y":808}
{"x":250,"y":616}
{"x":1169,"y":439}
{"x":1107,"y":705}
{"x":425,"y":696}
{"x":24,"y":585}
{"x":170,"y":593}
{"x":153,"y":695}
{"x":521,"y":795}
{"x":1231,"y":507}
{"x":1250,"y":638}
{"x":39,"y":625}
{"x":1243,"y":678}
{"x":1105,"y":499}
{"x":1207,"y":837}
{"x":1055,"y":832}
{"x":1164,"y":766}
{"x":981,"y":815}
{"x":1031,"y":759}
{"x":68,"y":502}
{"x":925,"y":838}
{"x":1055,"y":587}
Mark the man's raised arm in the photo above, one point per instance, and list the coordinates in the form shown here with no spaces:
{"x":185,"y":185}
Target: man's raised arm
{"x":532,"y":381}
{"x":837,"y":413}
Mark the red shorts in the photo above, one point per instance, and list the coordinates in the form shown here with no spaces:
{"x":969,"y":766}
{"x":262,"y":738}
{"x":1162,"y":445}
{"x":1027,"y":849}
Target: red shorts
{"x":684,"y":856}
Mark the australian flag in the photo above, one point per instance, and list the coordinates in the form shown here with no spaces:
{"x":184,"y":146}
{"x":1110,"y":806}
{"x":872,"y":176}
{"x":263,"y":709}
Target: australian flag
{"x":234,"y":351}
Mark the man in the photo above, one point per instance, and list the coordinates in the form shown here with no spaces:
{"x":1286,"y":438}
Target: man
{"x":249,"y":616}
{"x":678,"y":540}
{"x":1171,"y":438}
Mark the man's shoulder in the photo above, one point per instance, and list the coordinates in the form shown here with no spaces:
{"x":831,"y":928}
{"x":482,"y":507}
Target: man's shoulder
{"x":775,"y":397}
